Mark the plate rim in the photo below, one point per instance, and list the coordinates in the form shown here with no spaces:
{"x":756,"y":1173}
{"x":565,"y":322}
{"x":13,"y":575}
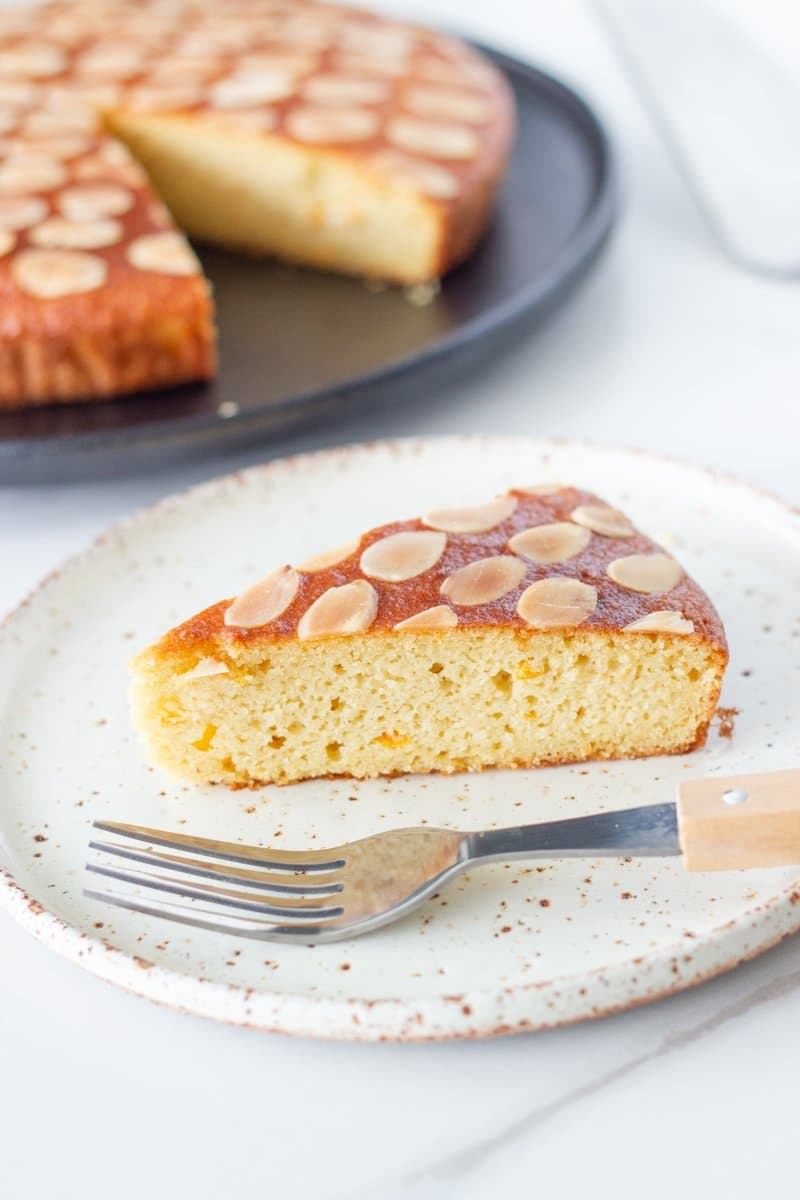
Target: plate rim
{"x":475,"y":1013}
{"x":26,"y":459}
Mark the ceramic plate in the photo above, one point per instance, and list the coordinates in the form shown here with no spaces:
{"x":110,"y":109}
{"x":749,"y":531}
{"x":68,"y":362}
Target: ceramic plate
{"x":506,"y":948}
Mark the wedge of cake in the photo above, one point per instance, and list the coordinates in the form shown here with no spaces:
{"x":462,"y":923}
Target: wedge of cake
{"x":323,"y":135}
{"x":541,"y":627}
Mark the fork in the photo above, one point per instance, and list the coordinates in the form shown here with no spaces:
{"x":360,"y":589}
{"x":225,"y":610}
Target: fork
{"x":313,"y":896}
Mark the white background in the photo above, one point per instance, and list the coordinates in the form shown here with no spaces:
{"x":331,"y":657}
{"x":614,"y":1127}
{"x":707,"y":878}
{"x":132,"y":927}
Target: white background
{"x":669,"y":347}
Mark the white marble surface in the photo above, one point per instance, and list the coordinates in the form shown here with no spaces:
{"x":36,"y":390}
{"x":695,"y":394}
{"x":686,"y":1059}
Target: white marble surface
{"x":668,"y":347}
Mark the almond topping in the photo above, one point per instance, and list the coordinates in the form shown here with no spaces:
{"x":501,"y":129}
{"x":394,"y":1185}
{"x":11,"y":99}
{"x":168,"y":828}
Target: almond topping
{"x":31,"y":173}
{"x":252,"y":89}
{"x":438,"y":617}
{"x":52,"y":273}
{"x":260,"y":119}
{"x":20,"y":212}
{"x":542,"y":489}
{"x":403,"y":555}
{"x":17,"y":92}
{"x":550,"y":543}
{"x":329,"y":558}
{"x":479,"y":519}
{"x":609,"y":522}
{"x":344,"y":89}
{"x":32,"y":62}
{"x":204,"y":669}
{"x":448,"y":104}
{"x":438,"y":140}
{"x":76,"y":235}
{"x":64,"y":146}
{"x":648,"y":573}
{"x":348,"y":609}
{"x":331,"y":124}
{"x":662,"y":621}
{"x":108,"y":62}
{"x":418,"y":173}
{"x":163,"y":99}
{"x":164,"y":253}
{"x":483,"y":581}
{"x":8,"y":120}
{"x":363,"y":65}
{"x":94,"y":201}
{"x":54,"y":124}
{"x":557,"y":601}
{"x":265,"y":600}
{"x":7,"y":241}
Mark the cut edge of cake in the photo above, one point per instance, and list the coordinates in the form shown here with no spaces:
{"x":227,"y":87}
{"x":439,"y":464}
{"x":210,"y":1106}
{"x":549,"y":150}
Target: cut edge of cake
{"x":540,"y":628}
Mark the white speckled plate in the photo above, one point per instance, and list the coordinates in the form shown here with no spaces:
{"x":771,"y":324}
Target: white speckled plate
{"x":507,"y":948}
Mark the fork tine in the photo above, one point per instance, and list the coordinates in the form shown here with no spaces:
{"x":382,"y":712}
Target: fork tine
{"x":234,"y":923}
{"x":288,"y":909}
{"x":207,"y":870}
{"x":278,"y":860}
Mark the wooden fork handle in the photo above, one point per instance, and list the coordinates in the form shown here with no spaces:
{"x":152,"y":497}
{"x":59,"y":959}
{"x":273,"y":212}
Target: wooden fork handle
{"x":742,"y":821}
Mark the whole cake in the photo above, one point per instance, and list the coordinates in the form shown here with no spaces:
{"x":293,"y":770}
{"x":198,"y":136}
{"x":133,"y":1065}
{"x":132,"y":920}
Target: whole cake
{"x":541,"y":627}
{"x":319,"y":134}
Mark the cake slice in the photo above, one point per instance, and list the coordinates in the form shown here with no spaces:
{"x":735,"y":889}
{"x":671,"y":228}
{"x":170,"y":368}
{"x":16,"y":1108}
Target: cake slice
{"x":538,"y":628}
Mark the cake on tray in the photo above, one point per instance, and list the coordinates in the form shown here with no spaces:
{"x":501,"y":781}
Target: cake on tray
{"x":319,"y":134}
{"x":541,"y":627}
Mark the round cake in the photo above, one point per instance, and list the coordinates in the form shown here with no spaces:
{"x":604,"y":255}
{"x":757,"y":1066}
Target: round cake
{"x":321,"y":135}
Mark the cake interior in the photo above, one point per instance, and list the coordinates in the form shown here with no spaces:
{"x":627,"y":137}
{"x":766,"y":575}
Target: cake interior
{"x":420,"y":702}
{"x":267,"y":195}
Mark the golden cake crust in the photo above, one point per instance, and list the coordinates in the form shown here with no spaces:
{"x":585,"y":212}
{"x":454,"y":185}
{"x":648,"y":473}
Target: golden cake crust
{"x":617,"y":606}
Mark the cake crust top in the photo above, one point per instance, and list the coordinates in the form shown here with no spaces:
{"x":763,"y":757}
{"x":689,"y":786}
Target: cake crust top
{"x":546,"y":557}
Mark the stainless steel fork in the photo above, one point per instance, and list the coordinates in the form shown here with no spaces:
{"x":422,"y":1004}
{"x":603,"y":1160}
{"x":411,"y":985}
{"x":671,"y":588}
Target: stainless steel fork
{"x":315,"y":896}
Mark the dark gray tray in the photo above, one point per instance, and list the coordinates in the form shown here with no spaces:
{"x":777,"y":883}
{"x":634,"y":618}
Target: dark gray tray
{"x":298,"y":347}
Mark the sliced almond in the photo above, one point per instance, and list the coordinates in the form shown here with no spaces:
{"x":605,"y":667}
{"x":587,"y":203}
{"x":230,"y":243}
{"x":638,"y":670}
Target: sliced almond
{"x":64,"y":234}
{"x":479,"y":519}
{"x":172,"y":68}
{"x":20,"y":212}
{"x":362,"y":64}
{"x":662,"y":621}
{"x":51,"y":273}
{"x":483,"y":581}
{"x":542,"y":489}
{"x":163,"y":99}
{"x":165,"y":253}
{"x":204,"y":669}
{"x":437,"y":70}
{"x":329,"y":558}
{"x":60,"y":97}
{"x":103,"y":62}
{"x":433,"y":139}
{"x":7,"y":242}
{"x":438,"y":617}
{"x":418,"y":173}
{"x":252,"y":89}
{"x":344,"y":89}
{"x":65,"y":146}
{"x":552,"y":543}
{"x":350,"y":608}
{"x":331,"y":124}
{"x":265,"y":600}
{"x":18,"y":92}
{"x":377,"y":41}
{"x":92,"y":201}
{"x":648,"y":573}
{"x":557,"y":601}
{"x":403,"y":555}
{"x":33,"y":61}
{"x":31,"y":173}
{"x":287,"y":61}
{"x":447,"y":104}
{"x":56,"y":124}
{"x":609,"y":522}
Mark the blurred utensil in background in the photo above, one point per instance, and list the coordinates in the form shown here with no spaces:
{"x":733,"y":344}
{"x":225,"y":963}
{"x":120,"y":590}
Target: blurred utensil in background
{"x":730,"y":117}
